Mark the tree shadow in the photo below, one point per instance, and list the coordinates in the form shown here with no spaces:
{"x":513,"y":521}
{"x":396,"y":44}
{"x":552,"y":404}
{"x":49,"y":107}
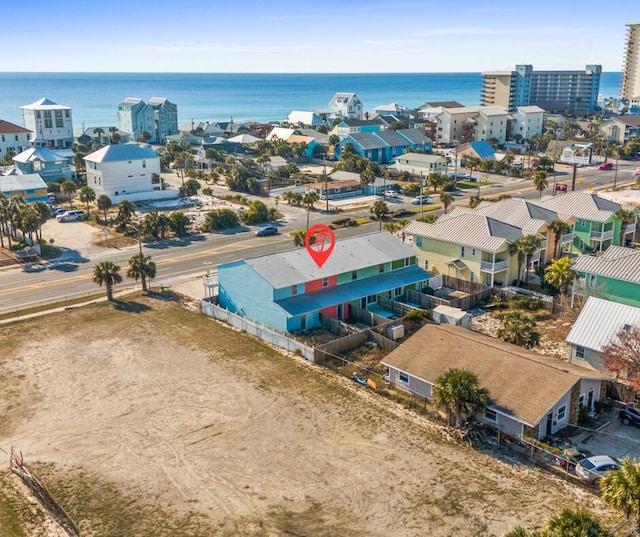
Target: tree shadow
{"x":178,"y":241}
{"x":63,"y":267}
{"x":130,"y":307}
{"x":165,"y":295}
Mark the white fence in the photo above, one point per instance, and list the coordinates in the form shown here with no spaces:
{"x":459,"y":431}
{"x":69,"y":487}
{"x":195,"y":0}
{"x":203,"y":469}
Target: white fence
{"x":258,"y":330}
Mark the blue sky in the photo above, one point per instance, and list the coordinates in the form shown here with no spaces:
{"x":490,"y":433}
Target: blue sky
{"x":323,"y":36}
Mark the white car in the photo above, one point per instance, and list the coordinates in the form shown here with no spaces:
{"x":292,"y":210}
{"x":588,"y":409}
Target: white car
{"x":71,"y":216}
{"x":418,"y":200}
{"x":390,"y":194}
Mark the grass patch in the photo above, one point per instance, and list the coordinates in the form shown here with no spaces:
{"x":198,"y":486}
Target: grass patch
{"x":426,"y":209}
{"x":472,"y":184}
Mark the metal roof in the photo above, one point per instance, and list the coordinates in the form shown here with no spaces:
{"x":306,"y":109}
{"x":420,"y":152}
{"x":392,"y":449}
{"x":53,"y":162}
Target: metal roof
{"x":583,"y":205}
{"x":521,"y":213}
{"x":392,"y":138}
{"x":422,"y":157}
{"x":510,"y":373}
{"x":599,"y":321}
{"x":38,"y":153}
{"x":14,"y":183}
{"x":45,"y":104}
{"x":346,"y":292}
{"x":616,"y":262}
{"x":367,"y":140}
{"x":413,"y":135}
{"x":120,"y":152}
{"x":469,"y":229}
{"x":296,"y":266}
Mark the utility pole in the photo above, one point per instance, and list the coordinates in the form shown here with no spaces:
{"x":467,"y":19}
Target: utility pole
{"x":615,"y":174}
{"x":421,"y":185}
{"x":324,"y":174}
{"x":573,"y":177}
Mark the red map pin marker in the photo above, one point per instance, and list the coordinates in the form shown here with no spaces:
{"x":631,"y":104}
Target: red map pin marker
{"x":320,"y":241}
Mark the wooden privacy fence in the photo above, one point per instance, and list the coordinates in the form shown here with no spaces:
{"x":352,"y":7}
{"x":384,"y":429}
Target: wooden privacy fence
{"x":365,"y":317}
{"x":399,"y":309}
{"x":337,"y":326}
{"x":255,"y":329}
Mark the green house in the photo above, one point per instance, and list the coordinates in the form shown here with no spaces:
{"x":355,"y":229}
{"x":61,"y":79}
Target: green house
{"x":614,"y":275}
{"x":597,"y":226}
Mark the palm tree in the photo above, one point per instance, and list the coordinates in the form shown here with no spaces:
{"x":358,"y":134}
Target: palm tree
{"x":527,"y":245}
{"x":379,"y":209}
{"x":519,"y":328}
{"x":164,"y":224}
{"x":69,"y":187}
{"x":559,"y":273}
{"x":44,"y":213}
{"x":392,"y":227}
{"x":519,"y":531}
{"x":104,"y":204}
{"x":626,"y":216}
{"x":140,"y":268}
{"x":456,"y":391}
{"x":87,"y":195}
{"x":4,"y":217}
{"x":179,"y":223}
{"x":621,"y":490}
{"x":367,"y":176}
{"x":559,"y":228}
{"x":310,"y":197}
{"x":446,"y":199}
{"x":578,"y":523}
{"x":126,"y":210}
{"x":107,"y":273}
{"x":540,"y":181}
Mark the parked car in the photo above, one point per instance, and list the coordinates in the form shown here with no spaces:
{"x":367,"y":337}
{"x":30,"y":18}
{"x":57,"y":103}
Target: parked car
{"x":459,"y":175}
{"x":593,"y":469}
{"x":56,"y":211}
{"x":629,"y":413}
{"x":71,"y":216}
{"x":420,"y":199}
{"x":265,"y":231}
{"x":390,"y":194}
{"x":606,"y":166}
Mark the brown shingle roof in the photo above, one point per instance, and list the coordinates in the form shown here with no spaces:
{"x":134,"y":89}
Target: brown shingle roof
{"x":520,"y":382}
{"x":11,"y":128}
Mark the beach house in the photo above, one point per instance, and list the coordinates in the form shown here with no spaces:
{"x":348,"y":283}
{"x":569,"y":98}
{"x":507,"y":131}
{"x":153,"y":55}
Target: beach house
{"x":51,"y":124}
{"x":13,"y":138}
{"x":49,"y":164}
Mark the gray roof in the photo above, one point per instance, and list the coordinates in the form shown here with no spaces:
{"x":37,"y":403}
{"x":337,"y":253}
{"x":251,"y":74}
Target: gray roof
{"x":14,"y":183}
{"x":119,"y":152}
{"x":583,"y":205}
{"x":520,"y":212}
{"x":413,"y":135}
{"x":468,"y":229}
{"x":38,"y":153}
{"x":392,"y":138}
{"x":599,"y":321}
{"x":366,"y":140}
{"x":296,"y":266}
{"x":423,"y":157}
{"x":510,"y":373}
{"x":616,"y":262}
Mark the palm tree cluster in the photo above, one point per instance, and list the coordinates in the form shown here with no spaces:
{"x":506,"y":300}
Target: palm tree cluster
{"x":457,"y":392}
{"x":569,"y":523}
{"x":107,"y":273}
{"x":19,"y":218}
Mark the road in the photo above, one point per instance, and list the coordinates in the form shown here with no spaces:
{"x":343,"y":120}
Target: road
{"x":39,"y":284}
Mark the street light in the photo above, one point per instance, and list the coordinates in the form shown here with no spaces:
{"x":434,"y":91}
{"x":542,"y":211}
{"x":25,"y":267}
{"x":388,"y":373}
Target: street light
{"x":139,"y":241}
{"x":326,"y":187}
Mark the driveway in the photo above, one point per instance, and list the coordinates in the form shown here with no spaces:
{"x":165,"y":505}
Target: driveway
{"x":74,"y":238}
{"x":611,"y":438}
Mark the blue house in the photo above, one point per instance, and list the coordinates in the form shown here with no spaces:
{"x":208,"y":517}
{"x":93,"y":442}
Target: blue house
{"x":385,"y":145}
{"x":288,"y":292}
{"x":50,"y":165}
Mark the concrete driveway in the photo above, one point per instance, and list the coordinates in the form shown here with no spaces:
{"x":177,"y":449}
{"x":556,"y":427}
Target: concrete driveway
{"x":611,"y":438}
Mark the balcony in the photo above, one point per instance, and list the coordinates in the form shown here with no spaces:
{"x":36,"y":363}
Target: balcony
{"x":535,"y":257}
{"x":492,"y":268}
{"x":566,"y":238}
{"x":601,"y":235}
{"x":544,"y":244}
{"x":631,"y":228}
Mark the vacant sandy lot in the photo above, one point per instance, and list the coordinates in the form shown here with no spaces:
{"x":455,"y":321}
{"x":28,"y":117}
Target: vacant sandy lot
{"x":148,"y":419}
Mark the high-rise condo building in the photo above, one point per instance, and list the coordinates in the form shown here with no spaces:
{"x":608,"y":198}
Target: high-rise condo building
{"x":574,"y":92}
{"x":631,"y":68}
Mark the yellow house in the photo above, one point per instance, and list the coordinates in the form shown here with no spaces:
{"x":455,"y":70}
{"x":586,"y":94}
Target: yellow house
{"x":30,"y":186}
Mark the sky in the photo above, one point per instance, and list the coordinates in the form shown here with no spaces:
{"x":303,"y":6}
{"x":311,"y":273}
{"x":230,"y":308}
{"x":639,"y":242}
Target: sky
{"x":295,"y":36}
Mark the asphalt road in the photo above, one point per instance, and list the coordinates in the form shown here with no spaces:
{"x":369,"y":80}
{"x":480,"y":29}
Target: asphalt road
{"x":177,"y":260}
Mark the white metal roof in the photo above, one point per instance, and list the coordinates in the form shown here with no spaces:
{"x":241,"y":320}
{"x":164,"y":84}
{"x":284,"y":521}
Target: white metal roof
{"x":521,"y":213}
{"x":616,"y":262}
{"x":38,"y":153}
{"x":296,"y":266}
{"x":45,"y":104}
{"x":14,"y":183}
{"x":469,"y":229}
{"x":599,"y":321}
{"x":120,"y":152}
{"x":583,"y":205}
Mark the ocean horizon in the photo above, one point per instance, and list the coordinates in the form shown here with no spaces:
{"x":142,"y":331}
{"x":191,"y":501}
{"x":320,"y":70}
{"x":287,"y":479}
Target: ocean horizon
{"x":94,"y":97}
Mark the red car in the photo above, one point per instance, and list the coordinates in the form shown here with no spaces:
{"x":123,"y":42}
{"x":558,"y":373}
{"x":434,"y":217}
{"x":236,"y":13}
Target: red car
{"x":606,"y":166}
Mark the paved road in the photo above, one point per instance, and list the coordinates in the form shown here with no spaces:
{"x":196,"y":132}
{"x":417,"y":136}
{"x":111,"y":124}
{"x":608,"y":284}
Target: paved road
{"x":39,"y":284}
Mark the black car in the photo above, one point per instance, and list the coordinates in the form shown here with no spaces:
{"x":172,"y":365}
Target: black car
{"x":265,"y":231}
{"x":629,"y":414}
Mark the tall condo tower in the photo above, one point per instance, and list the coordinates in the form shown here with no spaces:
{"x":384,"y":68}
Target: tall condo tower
{"x":631,"y":64}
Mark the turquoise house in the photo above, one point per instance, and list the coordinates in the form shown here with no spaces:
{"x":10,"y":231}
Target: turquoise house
{"x":614,"y":275}
{"x":385,"y":145}
{"x":50,"y":165}
{"x":288,"y":292}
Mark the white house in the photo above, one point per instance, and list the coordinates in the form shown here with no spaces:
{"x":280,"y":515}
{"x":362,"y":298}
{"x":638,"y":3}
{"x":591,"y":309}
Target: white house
{"x":527,"y":122}
{"x":596,"y":326}
{"x":346,"y":105}
{"x":126,"y":171}
{"x":421,"y":162}
{"x":50,"y":123}
{"x":13,"y":138}
{"x":304,"y":118}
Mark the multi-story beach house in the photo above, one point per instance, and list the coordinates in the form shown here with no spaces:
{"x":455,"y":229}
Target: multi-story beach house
{"x":125,"y":171}
{"x":288,"y":292}
{"x":573,"y":92}
{"x":345,"y":105}
{"x":158,"y":117}
{"x":13,"y":138}
{"x":51,"y":124}
{"x":50,"y":165}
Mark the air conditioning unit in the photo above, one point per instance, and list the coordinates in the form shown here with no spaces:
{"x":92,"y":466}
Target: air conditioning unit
{"x":395,"y":331}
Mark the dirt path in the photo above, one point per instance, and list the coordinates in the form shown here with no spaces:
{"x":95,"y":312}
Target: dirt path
{"x":164,"y":419}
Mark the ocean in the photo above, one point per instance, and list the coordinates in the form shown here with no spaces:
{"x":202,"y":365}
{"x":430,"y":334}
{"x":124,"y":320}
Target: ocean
{"x":94,"y":97}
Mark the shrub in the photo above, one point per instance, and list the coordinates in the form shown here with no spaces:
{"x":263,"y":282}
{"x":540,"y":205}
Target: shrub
{"x":417,"y":316}
{"x":220,"y":219}
{"x":525,"y":302}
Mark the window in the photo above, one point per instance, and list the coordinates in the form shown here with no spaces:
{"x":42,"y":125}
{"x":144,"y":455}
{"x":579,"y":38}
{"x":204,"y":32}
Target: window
{"x":58,"y":113}
{"x":47,"y":114}
{"x":144,"y":163}
{"x":592,"y":280}
{"x":473,"y":252}
{"x":403,"y":377}
{"x":294,"y":290}
{"x":581,"y":401}
{"x":59,"y":123}
{"x":579,"y":352}
{"x":490,"y":415}
{"x":325,"y":282}
{"x":426,"y":264}
{"x":16,"y":138}
{"x":418,"y":241}
{"x":66,"y":114}
{"x":562,"y":413}
{"x":407,"y":261}
{"x":371,"y":299}
{"x":354,"y":275}
{"x":397,"y":291}
{"x":37,"y":114}
{"x":583,"y":223}
{"x":3,"y":137}
{"x":48,"y":124}
{"x":381,"y":268}
{"x":461,"y":251}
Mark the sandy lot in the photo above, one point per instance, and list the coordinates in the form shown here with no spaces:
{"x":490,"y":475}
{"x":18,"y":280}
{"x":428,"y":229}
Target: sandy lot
{"x":148,"y":419}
